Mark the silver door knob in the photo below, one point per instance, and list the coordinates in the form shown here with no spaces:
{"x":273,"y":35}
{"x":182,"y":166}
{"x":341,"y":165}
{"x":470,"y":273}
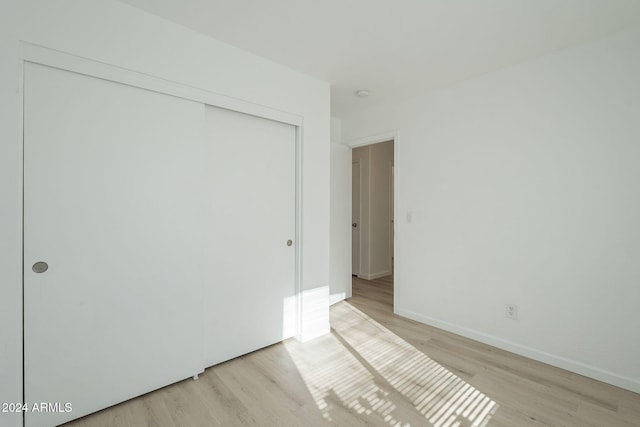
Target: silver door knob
{"x":289,"y":242}
{"x":40,"y":267}
{"x":354,"y":225}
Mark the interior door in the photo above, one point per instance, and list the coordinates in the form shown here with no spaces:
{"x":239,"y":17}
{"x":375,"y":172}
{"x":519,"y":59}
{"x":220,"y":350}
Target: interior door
{"x":113,"y":248}
{"x":355,"y":219}
{"x":250,"y":299}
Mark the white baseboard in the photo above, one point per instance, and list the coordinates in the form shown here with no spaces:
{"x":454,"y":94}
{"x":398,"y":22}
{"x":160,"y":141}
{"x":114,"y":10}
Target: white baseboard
{"x":336,"y":298}
{"x":523,"y":350}
{"x":375,"y":275}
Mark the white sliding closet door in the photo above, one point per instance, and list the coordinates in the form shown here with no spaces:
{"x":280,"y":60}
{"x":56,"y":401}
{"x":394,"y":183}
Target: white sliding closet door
{"x":113,"y":203}
{"x":249,"y":299}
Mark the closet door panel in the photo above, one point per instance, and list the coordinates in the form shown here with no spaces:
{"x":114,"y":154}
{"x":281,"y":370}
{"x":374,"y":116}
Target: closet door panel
{"x":250,"y":300}
{"x":114,"y":205}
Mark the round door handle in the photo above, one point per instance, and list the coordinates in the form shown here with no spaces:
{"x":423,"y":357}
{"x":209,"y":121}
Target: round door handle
{"x":354,"y":225}
{"x":40,"y":267}
{"x":289,"y":242}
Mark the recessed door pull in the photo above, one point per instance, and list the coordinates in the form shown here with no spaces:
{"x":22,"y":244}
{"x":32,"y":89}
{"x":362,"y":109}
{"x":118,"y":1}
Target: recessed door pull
{"x":40,"y":267}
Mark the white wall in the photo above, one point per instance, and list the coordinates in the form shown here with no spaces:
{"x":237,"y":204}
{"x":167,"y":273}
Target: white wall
{"x":340,"y":222}
{"x":340,"y":265}
{"x":118,"y":34}
{"x":524,"y":187}
{"x":336,"y":130}
{"x":375,"y":208}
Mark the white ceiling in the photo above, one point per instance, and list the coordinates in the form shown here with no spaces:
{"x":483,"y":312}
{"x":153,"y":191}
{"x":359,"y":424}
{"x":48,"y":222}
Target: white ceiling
{"x":396,"y":48}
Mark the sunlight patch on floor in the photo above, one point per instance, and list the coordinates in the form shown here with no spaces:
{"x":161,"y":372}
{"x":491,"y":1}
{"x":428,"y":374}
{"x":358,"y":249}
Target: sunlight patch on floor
{"x":367,"y":368}
{"x":335,"y":377}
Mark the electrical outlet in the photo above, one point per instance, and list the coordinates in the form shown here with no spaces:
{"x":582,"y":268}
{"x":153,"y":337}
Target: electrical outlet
{"x":511,"y":311}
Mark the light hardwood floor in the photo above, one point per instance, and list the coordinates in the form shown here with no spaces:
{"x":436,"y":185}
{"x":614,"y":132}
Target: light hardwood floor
{"x":376,"y":368}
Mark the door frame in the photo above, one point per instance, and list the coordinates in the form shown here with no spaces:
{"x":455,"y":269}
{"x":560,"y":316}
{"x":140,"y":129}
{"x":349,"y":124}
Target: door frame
{"x":38,"y":54}
{"x":391,"y":135}
{"x":392,"y":212}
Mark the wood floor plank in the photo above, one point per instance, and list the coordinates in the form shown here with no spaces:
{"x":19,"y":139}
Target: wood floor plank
{"x":379,"y":369}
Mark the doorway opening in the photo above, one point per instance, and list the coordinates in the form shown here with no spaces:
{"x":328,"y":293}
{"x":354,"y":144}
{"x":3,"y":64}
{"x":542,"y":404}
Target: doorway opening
{"x":372,"y":228}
